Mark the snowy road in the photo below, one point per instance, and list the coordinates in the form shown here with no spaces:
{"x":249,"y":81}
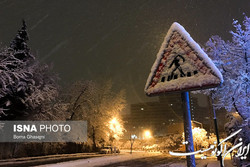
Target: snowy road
{"x":137,"y":159}
{"x":102,"y":161}
{"x":167,"y":161}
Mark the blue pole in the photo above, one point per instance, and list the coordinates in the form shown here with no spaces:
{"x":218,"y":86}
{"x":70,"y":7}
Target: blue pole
{"x":188,"y":128}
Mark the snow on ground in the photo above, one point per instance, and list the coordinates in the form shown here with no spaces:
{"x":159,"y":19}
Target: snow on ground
{"x":209,"y":162}
{"x":101,"y":161}
{"x":154,"y":159}
{"x":199,"y":163}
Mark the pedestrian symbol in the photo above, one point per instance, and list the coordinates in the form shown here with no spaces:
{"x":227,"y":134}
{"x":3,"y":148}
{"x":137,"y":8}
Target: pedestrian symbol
{"x":176,"y":63}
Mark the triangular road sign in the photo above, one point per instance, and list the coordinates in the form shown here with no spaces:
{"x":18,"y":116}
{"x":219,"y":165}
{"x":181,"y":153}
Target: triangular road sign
{"x":181,"y":65}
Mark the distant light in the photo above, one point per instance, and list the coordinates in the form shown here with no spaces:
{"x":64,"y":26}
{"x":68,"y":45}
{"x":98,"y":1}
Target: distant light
{"x":133,"y":137}
{"x":171,"y":104}
{"x":115,"y":126}
{"x":142,"y":109}
{"x":147,"y":134}
{"x":113,"y":121}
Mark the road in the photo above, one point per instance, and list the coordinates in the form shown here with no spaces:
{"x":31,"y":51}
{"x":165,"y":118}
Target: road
{"x":137,"y":159}
{"x":125,"y":159}
{"x":161,"y":160}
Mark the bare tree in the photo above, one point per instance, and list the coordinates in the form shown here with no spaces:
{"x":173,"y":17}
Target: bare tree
{"x":97,"y":104}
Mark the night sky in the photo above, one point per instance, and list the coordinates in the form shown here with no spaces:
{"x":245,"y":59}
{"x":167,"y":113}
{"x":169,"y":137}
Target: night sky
{"x":116,"y":39}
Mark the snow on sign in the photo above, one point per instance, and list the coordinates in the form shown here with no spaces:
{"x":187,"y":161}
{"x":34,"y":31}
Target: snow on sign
{"x":181,"y":65}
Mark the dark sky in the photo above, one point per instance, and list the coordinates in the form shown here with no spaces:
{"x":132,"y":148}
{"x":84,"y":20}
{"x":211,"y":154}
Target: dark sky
{"x":117,"y":39}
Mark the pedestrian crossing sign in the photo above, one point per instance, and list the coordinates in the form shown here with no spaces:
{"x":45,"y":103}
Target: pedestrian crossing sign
{"x":181,"y":65}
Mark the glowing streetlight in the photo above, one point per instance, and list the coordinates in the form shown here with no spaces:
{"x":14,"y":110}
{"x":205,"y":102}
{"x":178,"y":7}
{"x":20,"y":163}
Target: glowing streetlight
{"x":133,"y":136}
{"x":114,"y":124}
{"x":115,"y":127}
{"x":147,"y":134}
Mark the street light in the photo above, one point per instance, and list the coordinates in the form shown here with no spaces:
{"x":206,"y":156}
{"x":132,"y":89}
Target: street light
{"x":115,"y":128}
{"x":133,"y":136}
{"x":147,"y":134}
{"x":132,"y":140}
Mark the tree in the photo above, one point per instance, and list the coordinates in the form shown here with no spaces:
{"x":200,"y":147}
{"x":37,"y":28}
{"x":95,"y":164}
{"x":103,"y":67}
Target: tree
{"x":25,"y":84}
{"x":97,"y":104}
{"x":171,"y":142}
{"x":232,"y":59}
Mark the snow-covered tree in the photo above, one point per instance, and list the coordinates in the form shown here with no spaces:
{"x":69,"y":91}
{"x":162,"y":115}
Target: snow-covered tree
{"x":232,"y":58}
{"x":171,"y":142}
{"x":25,"y":84}
{"x":97,"y":104}
{"x":234,"y":123}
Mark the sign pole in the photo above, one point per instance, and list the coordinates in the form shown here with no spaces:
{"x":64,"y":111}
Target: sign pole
{"x":188,"y":128}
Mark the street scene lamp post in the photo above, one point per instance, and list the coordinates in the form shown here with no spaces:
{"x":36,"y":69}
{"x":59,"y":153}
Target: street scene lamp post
{"x":132,"y":140}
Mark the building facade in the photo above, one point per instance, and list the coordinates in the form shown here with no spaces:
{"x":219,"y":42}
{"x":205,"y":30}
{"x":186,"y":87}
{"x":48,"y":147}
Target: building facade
{"x":165,"y":116}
